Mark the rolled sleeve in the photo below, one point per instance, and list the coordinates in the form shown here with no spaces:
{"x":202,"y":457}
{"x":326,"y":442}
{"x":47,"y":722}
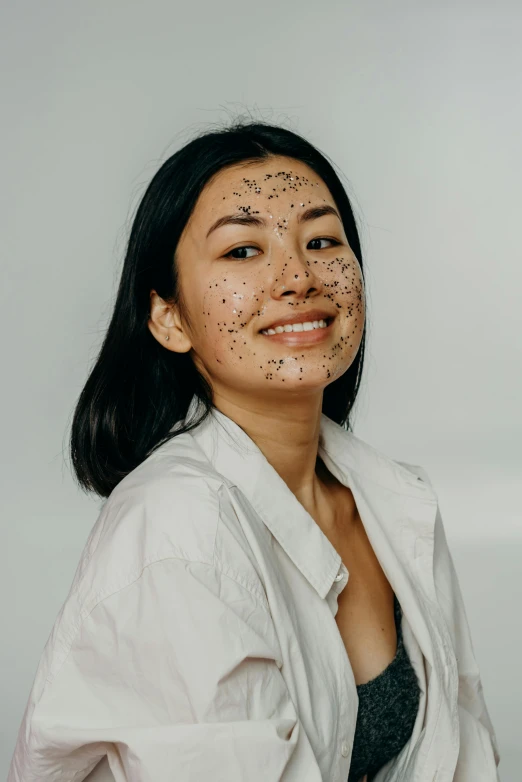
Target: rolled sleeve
{"x":180,"y":671}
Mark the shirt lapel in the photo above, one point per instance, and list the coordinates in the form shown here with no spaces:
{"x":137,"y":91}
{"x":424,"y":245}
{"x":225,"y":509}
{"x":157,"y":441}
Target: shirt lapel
{"x":397,"y":508}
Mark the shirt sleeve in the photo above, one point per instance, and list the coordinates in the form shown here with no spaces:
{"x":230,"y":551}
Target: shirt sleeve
{"x":180,"y":673}
{"x":476,"y":728}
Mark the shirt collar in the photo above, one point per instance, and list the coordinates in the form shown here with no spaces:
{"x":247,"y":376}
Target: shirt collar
{"x":390,"y":494}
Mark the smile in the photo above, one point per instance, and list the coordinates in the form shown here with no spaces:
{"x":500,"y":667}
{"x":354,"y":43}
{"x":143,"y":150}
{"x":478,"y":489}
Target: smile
{"x":300,"y":333}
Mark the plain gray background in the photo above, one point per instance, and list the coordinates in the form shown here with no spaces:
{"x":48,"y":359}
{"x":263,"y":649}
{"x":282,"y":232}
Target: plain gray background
{"x":418,"y":104}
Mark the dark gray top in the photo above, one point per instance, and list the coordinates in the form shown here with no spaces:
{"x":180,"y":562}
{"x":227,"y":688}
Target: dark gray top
{"x":387,"y":711}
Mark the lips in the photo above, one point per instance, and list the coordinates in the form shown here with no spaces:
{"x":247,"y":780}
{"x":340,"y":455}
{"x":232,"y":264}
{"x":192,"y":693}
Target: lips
{"x":300,"y":339}
{"x":303,"y":317}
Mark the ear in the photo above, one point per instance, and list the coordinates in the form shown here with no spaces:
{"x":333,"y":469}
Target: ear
{"x":165,"y":325}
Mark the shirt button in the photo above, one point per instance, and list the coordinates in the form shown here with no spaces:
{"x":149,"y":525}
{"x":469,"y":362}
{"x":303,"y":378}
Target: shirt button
{"x":345,"y":749}
{"x":339,"y":576}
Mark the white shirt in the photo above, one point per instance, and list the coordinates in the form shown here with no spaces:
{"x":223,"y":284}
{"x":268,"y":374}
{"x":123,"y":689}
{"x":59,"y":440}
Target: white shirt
{"x":198,"y":641}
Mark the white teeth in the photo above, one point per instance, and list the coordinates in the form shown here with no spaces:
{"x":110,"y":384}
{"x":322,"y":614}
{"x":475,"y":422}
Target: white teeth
{"x":308,"y":326}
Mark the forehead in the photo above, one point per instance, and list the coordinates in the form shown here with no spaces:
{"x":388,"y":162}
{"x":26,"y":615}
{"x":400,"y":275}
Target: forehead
{"x":268,"y":183}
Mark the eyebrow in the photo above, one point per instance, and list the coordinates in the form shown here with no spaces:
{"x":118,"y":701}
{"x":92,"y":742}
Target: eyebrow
{"x":313,"y":213}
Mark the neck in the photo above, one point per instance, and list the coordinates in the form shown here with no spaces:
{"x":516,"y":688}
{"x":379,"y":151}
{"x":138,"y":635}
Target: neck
{"x":288,"y":437}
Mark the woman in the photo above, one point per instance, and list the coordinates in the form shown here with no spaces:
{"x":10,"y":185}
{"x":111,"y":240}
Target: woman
{"x":264,"y":596}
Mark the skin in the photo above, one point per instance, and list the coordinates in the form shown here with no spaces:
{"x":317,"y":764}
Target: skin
{"x":272,"y":391}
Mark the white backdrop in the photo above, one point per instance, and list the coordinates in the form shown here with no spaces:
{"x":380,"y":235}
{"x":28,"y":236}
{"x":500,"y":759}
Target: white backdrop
{"x":418,"y":104}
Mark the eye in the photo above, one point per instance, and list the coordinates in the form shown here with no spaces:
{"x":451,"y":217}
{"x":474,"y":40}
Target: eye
{"x":251,"y":247}
{"x":325,"y":239}
{"x":236,"y":249}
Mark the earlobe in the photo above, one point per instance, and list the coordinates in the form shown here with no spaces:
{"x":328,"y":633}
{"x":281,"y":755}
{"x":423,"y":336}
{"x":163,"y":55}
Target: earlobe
{"x":177,"y":341}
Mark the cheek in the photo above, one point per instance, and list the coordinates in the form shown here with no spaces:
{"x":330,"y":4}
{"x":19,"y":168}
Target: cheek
{"x":343,"y":280}
{"x":228,"y":307}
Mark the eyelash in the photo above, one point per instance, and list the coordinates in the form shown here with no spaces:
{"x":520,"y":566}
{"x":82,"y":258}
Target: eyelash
{"x":251,"y":246}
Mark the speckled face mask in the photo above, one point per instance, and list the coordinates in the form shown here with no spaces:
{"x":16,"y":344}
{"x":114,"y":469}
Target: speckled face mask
{"x":265,"y":243}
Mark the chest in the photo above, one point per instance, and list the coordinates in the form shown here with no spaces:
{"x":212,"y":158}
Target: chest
{"x":365,"y":616}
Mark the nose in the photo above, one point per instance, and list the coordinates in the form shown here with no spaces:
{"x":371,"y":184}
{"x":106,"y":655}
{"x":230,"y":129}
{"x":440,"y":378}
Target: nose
{"x":295,"y":276}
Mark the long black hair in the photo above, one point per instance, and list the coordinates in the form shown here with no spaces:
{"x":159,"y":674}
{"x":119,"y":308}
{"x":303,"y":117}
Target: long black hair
{"x":137,"y":390}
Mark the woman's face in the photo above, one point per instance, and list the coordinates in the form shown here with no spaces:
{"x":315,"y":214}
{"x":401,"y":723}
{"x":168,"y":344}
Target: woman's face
{"x":239,"y":278}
